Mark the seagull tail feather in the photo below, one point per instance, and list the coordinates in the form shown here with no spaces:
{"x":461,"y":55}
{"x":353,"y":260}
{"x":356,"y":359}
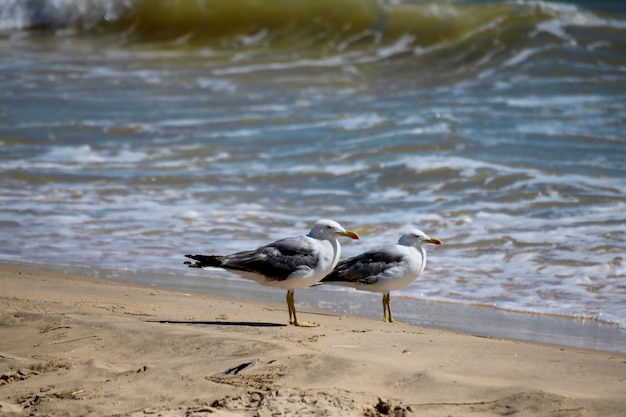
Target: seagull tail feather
{"x":204,"y":261}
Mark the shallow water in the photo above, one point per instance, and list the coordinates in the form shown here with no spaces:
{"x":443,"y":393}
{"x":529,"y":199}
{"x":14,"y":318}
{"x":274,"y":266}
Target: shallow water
{"x":133,"y":132}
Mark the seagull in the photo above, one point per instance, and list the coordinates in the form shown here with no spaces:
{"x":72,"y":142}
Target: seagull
{"x":290,"y":263}
{"x":385,"y":269}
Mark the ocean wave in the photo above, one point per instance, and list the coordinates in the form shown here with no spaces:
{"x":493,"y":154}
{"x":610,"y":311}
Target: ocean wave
{"x":338,"y":25}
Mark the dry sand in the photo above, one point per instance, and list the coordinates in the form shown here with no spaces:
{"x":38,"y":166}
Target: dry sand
{"x":71,"y":345}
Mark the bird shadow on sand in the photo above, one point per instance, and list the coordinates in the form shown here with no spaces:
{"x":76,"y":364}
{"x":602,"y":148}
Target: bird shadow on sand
{"x":220,"y":323}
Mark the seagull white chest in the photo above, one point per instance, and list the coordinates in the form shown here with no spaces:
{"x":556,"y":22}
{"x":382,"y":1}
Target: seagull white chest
{"x":328,"y":254}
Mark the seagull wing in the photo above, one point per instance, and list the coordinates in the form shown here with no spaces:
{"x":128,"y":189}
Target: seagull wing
{"x":276,"y":261}
{"x":366,"y":268}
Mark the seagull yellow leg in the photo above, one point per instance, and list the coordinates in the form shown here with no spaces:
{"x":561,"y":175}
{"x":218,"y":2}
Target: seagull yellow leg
{"x":387,"y":317}
{"x":289,"y":304}
{"x":385,"y":296}
{"x":292,"y":313}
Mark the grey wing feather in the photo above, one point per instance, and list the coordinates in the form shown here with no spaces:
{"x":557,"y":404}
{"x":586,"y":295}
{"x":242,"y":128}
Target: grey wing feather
{"x":364,"y":268}
{"x":275,"y":261}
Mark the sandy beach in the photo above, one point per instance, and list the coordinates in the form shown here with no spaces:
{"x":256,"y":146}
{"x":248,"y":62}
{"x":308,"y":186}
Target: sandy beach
{"x":73,"y":345}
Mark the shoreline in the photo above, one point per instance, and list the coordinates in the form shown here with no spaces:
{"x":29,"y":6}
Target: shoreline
{"x":77,"y":345}
{"x":480,"y":320}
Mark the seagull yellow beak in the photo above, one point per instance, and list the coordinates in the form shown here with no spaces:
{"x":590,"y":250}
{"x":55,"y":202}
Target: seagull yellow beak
{"x":350,"y":234}
{"x":434,"y":241}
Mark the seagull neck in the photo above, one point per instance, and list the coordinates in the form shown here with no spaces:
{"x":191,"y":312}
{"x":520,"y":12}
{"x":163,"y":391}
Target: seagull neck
{"x":336,"y":251}
{"x":422,"y":250}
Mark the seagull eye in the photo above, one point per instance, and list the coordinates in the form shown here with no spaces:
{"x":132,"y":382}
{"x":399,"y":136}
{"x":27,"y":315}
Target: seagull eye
{"x":328,"y":226}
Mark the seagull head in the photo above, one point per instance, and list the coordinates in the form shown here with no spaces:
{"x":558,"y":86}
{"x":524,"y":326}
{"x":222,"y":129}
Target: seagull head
{"x":329,"y":230}
{"x":416,"y":237}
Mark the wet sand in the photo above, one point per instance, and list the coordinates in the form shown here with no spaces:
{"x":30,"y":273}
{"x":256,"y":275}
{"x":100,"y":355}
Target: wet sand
{"x":74,"y":345}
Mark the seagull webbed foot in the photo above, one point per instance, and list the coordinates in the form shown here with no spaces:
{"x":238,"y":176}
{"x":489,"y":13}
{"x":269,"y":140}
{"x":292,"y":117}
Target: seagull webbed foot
{"x":305,"y":324}
{"x":391,"y":320}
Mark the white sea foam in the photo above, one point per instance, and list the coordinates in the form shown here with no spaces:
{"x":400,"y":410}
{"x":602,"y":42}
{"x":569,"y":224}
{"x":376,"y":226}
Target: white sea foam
{"x":365,"y":121}
{"x":82,"y":154}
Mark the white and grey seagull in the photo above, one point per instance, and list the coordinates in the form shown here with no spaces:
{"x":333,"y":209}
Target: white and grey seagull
{"x":288,"y":264}
{"x":385,"y":269}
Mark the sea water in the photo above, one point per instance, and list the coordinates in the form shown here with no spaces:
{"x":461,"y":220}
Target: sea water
{"x":135,"y":131}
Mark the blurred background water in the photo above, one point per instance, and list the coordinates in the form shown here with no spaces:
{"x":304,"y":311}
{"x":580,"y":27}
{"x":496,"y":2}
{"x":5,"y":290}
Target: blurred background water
{"x":135,"y":131}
